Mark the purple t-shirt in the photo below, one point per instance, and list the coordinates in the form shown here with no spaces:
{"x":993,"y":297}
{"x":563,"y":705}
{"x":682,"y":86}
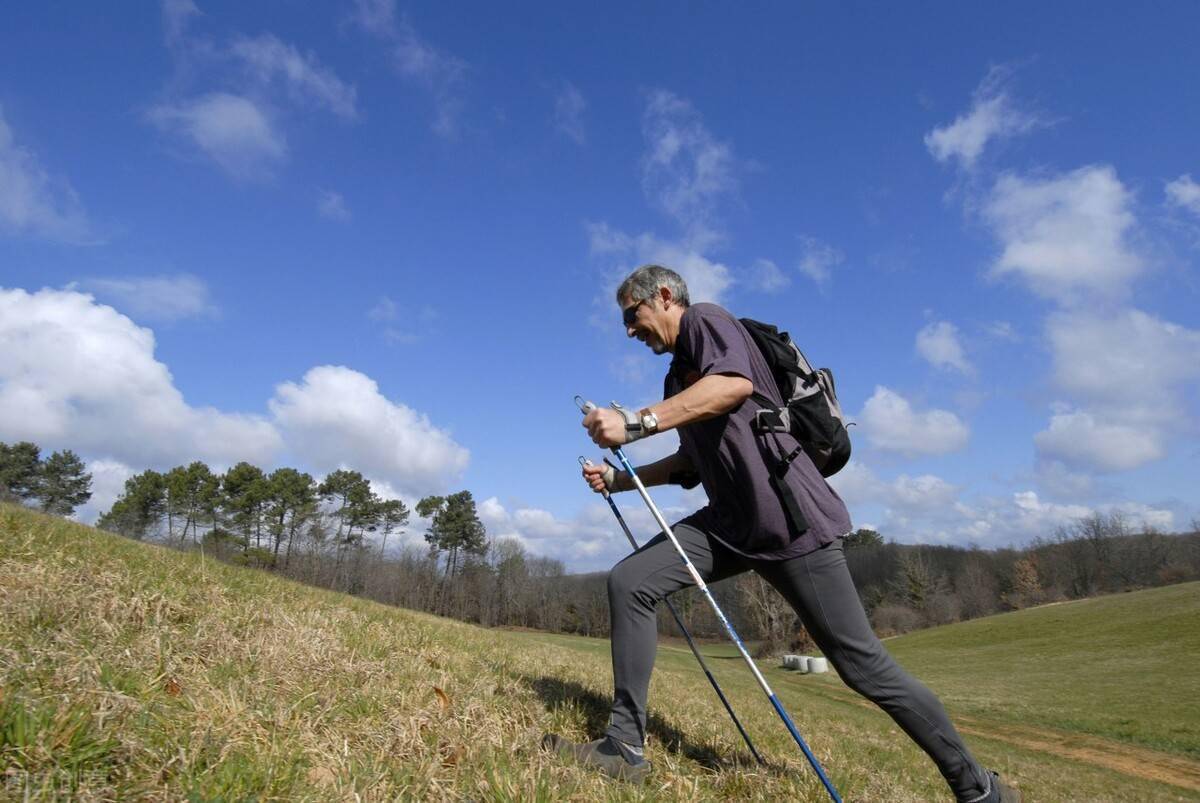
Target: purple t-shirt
{"x":744,"y":511}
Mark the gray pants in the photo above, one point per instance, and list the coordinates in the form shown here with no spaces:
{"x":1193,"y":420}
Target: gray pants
{"x":819,"y":588}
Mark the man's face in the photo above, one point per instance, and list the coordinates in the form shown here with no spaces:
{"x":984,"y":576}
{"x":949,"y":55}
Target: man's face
{"x":646,"y":320}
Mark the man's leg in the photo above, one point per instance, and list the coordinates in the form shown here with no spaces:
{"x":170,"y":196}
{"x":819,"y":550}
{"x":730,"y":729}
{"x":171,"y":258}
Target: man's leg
{"x":819,"y":587}
{"x":635,"y":587}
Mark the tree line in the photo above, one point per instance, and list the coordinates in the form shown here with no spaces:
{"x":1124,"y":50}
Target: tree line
{"x":334,"y":533}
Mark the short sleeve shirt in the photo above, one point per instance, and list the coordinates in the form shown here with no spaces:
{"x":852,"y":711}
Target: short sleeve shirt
{"x":744,"y":510}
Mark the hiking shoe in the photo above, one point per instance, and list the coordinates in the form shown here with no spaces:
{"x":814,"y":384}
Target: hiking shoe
{"x":1006,"y":793}
{"x":1000,"y":792}
{"x":606,"y":754}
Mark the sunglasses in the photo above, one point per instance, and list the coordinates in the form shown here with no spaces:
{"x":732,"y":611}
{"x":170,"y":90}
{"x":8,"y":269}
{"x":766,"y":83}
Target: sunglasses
{"x":629,"y":314}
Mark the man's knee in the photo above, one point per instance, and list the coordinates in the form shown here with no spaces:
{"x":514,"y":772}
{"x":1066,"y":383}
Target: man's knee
{"x":870,"y":672}
{"x":626,"y":585}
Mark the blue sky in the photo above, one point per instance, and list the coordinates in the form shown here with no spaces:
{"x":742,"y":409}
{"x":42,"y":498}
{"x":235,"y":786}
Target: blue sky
{"x":386,"y":236}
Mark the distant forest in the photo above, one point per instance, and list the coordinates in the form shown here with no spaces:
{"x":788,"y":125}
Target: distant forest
{"x":333,"y":533}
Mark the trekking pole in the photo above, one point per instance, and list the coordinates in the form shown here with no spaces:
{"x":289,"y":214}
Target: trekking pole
{"x":678,"y":621}
{"x":586,"y":407}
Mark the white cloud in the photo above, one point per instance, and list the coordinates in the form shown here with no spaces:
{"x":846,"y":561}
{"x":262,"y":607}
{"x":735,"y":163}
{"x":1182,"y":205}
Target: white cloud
{"x":388,"y":315}
{"x":938,"y":344}
{"x":158,"y":298}
{"x":1036,"y":516}
{"x":305,"y":79}
{"x":177,"y":14}
{"x":384,"y":310}
{"x":650,"y":450}
{"x":631,"y":369}
{"x":921,"y":494}
{"x":1019,"y":518}
{"x":1082,"y":439}
{"x":857,"y":484}
{"x":1002,"y":330}
{"x":685,"y":170}
{"x":1143,"y":516}
{"x":817,"y":259}
{"x":441,"y":74}
{"x":1184,"y":193}
{"x":891,"y":424}
{"x":1127,"y":358}
{"x":337,"y":417}
{"x":767,"y":277}
{"x":569,"y":106}
{"x":253,"y":82}
{"x":31,"y":202}
{"x":926,"y":494}
{"x":992,"y":116}
{"x":706,"y":280}
{"x":333,"y":206}
{"x":375,"y":16}
{"x":229,"y":129}
{"x":1058,"y":481}
{"x":79,"y":375}
{"x":1128,"y":372}
{"x":591,"y":541}
{"x":1066,"y":236}
{"x":928,"y":509}
{"x":108,"y":482}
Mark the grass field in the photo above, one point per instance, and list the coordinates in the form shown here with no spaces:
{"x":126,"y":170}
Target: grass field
{"x":133,"y":672}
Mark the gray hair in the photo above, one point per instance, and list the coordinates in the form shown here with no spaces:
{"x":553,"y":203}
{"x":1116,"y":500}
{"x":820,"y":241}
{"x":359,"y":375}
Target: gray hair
{"x":644,"y":282}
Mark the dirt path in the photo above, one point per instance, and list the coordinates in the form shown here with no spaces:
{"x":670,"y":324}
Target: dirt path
{"x":1124,"y":758}
{"x":1127,"y":759}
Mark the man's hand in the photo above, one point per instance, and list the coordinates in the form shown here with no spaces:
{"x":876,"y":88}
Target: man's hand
{"x":603,"y":477}
{"x":606,"y":427}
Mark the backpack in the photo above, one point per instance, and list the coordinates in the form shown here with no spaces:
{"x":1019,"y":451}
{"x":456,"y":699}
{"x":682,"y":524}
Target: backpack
{"x":811,"y":412}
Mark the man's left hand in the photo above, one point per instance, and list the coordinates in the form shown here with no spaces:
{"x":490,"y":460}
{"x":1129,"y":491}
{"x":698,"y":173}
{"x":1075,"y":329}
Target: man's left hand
{"x":607,"y":428}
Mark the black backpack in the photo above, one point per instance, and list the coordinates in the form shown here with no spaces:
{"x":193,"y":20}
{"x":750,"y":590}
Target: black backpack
{"x":810,"y":411}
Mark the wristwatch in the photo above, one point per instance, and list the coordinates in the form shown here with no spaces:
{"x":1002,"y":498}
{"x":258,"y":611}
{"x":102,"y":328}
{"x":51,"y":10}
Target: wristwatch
{"x":649,"y":421}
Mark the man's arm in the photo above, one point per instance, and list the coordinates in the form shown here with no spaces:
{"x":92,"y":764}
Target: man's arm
{"x":656,"y":473}
{"x":710,"y":396}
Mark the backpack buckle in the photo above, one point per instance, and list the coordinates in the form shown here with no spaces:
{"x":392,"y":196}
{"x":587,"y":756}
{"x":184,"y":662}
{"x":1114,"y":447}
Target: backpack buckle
{"x":775,"y":419}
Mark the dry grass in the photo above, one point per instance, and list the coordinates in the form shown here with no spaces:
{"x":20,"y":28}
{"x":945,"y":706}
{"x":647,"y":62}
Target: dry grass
{"x":132,"y":672}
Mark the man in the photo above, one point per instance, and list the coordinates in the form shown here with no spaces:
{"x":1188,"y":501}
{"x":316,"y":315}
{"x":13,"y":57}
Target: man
{"x":715,"y":369}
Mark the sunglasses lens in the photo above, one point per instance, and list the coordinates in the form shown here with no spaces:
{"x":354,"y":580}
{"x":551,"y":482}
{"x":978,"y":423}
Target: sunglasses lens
{"x":629,"y":314}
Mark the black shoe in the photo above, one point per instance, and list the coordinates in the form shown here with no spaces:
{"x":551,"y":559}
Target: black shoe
{"x":1000,"y":792}
{"x":1007,"y":794}
{"x":603,"y":754}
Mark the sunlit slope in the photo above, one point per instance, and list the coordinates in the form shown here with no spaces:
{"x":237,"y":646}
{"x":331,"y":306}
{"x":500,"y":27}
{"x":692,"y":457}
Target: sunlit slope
{"x":128,"y":671}
{"x":1124,"y":666}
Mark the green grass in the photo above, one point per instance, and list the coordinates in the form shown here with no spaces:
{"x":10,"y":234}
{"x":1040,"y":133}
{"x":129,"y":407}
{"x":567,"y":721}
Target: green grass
{"x":1122,"y":666}
{"x":133,"y":672}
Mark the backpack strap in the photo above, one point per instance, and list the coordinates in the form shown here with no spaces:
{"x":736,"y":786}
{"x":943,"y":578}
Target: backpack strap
{"x":791,"y":508}
{"x":763,"y":401}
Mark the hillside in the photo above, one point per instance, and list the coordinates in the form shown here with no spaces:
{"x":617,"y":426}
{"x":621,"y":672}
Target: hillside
{"x":128,"y":671}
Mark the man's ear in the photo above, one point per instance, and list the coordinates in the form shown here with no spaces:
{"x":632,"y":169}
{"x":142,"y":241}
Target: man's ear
{"x":664,"y":294}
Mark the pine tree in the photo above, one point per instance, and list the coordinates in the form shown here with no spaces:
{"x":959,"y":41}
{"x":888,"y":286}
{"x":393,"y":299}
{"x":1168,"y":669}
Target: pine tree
{"x":455,"y":529}
{"x":140,"y":508}
{"x":18,"y":471}
{"x":63,"y":483}
{"x":244,"y":489}
{"x":291,"y":501}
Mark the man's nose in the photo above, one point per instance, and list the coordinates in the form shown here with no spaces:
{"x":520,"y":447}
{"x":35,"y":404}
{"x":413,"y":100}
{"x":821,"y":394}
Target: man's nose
{"x":630,"y":331}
